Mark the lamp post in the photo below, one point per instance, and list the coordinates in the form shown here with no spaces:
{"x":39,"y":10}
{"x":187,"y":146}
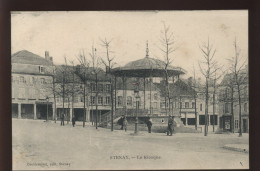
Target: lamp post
{"x":47,"y":99}
{"x":137,"y":97}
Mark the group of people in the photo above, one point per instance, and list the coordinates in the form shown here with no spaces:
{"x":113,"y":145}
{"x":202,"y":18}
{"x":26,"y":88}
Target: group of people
{"x":63,"y":117}
{"x":123,"y":122}
{"x":171,"y":124}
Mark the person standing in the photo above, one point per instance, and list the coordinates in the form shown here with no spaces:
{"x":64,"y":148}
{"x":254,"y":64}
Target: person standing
{"x":62,"y":119}
{"x":120,"y":122}
{"x":170,"y":126}
{"x":125,"y":124}
{"x":73,"y":121}
{"x":149,"y":125}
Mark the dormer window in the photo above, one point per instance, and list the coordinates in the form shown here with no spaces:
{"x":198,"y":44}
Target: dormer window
{"x":42,"y":81}
{"x":41,"y":69}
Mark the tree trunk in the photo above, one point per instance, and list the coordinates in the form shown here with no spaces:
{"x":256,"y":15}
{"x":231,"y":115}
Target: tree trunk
{"x":196,"y":117}
{"x":240,"y":117}
{"x":84,"y":100}
{"x":206,"y":110}
{"x":112,"y":105}
{"x":232,"y":110}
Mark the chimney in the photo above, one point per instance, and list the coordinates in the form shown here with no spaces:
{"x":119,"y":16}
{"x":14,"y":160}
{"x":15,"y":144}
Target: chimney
{"x":47,"y":55}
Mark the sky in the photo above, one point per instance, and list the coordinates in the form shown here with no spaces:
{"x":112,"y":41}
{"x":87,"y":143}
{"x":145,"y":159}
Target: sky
{"x":68,"y":33}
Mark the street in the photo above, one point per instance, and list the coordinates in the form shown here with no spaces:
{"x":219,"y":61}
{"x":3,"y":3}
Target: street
{"x":47,"y":145}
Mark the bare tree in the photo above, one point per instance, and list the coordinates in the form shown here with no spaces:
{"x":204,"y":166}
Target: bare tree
{"x":167,"y":42}
{"x":229,"y":83}
{"x":207,"y":71}
{"x":81,"y":71}
{"x":236,"y":66}
{"x":51,"y":88}
{"x":95,"y":60}
{"x":195,"y":96}
{"x":215,"y":78}
{"x":109,"y":63}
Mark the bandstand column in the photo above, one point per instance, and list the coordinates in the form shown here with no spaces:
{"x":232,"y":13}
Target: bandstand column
{"x":124,"y":95}
{"x":70,"y":114}
{"x":115,"y":96}
{"x":144,"y":92}
{"x":19,"y":111}
{"x":34,"y":111}
{"x":150,"y":95}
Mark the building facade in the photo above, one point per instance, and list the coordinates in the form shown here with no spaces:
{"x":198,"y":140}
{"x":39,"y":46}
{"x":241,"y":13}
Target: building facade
{"x":229,"y":103}
{"x":31,"y":77}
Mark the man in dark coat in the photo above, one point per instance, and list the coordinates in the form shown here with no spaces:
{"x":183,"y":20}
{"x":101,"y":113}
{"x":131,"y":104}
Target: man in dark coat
{"x":73,"y":121}
{"x":62,"y":119}
{"x":149,"y":125}
{"x":170,"y":126}
{"x":120,"y":122}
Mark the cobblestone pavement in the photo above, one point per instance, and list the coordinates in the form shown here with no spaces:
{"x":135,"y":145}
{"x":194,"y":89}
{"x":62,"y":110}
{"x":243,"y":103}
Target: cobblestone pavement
{"x":47,"y":145}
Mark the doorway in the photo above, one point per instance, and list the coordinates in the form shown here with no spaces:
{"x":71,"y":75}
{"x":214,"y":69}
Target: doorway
{"x":245,"y":126}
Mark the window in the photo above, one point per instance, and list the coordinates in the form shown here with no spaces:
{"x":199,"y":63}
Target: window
{"x":21,"y":93}
{"x":213,"y":119}
{"x":186,"y":104}
{"x":200,"y":107}
{"x":22,"y":80}
{"x":191,"y":121}
{"x":236,"y":124}
{"x":108,"y":88}
{"x":226,"y":92}
{"x":32,"y":93}
{"x":226,"y":108}
{"x":245,"y":92}
{"x":161,"y":105}
{"x":202,"y":119}
{"x":93,"y":87}
{"x":82,"y":99}
{"x":42,"y":69}
{"x":76,"y":99}
{"x":245,"y":107}
{"x":193,"y":105}
{"x":92,"y":100}
{"x":100,"y":87}
{"x":155,"y":105}
{"x":108,"y":100}
{"x":119,"y":100}
{"x":180,"y":104}
{"x":42,"y":80}
{"x":129,"y":101}
{"x":155,"y":96}
{"x":173,"y":104}
{"x":100,"y":100}
{"x":42,"y":94}
{"x":57,"y":99}
{"x":33,"y":80}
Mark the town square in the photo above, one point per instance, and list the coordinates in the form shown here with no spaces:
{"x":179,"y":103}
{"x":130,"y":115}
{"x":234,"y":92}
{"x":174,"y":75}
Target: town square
{"x":118,"y":90}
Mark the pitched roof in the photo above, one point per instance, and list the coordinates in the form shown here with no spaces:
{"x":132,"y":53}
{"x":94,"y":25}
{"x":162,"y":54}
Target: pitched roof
{"x":78,"y":76}
{"x":26,"y":57}
{"x":146,"y":67}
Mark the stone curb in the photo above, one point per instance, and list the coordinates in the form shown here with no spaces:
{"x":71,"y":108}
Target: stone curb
{"x":237,"y":147}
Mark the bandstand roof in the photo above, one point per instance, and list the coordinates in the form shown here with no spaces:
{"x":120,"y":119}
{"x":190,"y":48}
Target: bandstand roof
{"x":146,"y":67}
